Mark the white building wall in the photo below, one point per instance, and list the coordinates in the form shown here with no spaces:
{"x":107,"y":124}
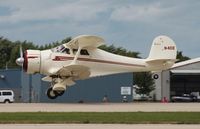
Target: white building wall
{"x":165,"y":85}
{"x":162,"y":85}
{"x":157,"y":90}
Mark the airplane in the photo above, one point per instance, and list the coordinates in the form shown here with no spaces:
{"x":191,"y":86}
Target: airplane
{"x":81,"y":59}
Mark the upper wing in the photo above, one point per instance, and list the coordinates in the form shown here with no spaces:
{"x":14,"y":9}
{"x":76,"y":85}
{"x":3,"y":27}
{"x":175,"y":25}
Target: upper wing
{"x":85,"y":41}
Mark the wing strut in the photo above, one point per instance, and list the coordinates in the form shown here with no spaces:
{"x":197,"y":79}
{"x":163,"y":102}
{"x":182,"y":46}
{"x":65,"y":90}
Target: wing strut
{"x":76,"y":56}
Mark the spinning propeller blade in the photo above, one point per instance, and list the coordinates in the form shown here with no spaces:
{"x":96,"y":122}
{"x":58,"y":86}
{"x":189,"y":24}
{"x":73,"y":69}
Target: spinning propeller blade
{"x":20,"y":60}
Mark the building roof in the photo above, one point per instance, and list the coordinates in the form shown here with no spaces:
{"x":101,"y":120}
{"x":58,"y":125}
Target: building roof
{"x":186,"y":72}
{"x":185,"y":63}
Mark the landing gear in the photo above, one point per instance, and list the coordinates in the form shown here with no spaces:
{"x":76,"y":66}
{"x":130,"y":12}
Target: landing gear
{"x":59,"y":93}
{"x":54,"y":94}
{"x":51,"y":94}
{"x":57,"y":88}
{"x":155,"y":76}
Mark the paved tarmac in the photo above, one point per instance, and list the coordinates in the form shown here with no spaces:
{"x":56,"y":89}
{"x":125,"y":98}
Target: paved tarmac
{"x":100,"y":107}
{"x":97,"y":126}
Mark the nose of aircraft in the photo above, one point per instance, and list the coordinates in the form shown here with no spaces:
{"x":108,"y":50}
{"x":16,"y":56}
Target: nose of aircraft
{"x":20,"y":61}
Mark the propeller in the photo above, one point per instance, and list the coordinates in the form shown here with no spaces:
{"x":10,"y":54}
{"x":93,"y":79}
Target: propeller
{"x":20,"y":60}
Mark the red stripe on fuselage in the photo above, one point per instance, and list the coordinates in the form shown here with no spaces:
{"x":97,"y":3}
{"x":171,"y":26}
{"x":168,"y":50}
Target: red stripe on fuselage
{"x":65,"y":58}
{"x":32,"y":56}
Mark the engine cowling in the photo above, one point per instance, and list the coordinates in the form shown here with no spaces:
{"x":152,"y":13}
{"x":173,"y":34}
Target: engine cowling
{"x":32,"y":61}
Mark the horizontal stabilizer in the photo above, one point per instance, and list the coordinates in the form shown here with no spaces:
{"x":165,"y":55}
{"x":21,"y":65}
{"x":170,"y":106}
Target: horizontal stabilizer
{"x":160,"y":61}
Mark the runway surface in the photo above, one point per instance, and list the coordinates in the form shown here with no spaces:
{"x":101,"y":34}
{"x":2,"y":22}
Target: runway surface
{"x":97,"y":126}
{"x":100,"y":107}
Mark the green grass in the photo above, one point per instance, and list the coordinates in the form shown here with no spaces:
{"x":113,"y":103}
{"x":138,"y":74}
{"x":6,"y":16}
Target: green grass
{"x":105,"y":117}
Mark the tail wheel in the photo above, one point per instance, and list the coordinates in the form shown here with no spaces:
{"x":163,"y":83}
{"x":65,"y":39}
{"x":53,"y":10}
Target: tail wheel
{"x":51,"y":94}
{"x":155,"y":76}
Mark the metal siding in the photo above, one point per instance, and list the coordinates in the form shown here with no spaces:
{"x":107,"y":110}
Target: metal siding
{"x":31,"y":87}
{"x":90,"y":90}
{"x":165,"y":85}
{"x":35,"y":88}
{"x":25,"y":87}
{"x":93,"y":90}
{"x":12,"y":81}
{"x":194,"y":66}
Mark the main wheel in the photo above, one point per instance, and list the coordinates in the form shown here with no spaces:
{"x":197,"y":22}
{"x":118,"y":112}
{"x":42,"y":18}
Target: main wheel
{"x":59,"y":93}
{"x":51,"y":94}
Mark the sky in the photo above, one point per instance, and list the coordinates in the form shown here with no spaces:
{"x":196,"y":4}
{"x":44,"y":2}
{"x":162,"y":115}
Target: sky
{"x":131,"y":24}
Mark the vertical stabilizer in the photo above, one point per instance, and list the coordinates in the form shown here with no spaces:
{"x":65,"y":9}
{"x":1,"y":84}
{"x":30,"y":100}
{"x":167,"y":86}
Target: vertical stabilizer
{"x":163,"y":48}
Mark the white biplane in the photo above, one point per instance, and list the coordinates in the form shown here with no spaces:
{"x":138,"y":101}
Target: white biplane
{"x":80,"y":58}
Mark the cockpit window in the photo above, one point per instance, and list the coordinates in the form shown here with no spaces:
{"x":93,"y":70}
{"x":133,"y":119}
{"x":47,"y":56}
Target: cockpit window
{"x":74,"y":51}
{"x":61,"y":49}
{"x":83,"y":51}
{"x":66,"y":50}
{"x":58,"y":48}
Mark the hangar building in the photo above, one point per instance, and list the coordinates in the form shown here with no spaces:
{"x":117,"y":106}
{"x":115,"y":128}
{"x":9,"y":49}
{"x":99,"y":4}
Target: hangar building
{"x":182,"y":78}
{"x":30,"y":88}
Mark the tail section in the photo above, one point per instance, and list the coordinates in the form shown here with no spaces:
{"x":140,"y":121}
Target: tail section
{"x":163,"y":53}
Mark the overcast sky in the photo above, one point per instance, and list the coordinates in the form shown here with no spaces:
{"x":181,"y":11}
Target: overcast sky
{"x":131,"y":24}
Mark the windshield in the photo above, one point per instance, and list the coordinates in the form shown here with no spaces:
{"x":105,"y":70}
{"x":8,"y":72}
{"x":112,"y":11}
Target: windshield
{"x":61,"y":49}
{"x":58,"y":48}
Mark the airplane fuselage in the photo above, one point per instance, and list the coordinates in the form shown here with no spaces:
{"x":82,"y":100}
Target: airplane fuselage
{"x":100,"y":62}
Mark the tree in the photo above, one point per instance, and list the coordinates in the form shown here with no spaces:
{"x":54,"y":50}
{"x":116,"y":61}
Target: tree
{"x":54,"y":44}
{"x":5,"y":49}
{"x":119,"y":51}
{"x":144,"y":82}
{"x":181,"y":57}
{"x":66,"y":40}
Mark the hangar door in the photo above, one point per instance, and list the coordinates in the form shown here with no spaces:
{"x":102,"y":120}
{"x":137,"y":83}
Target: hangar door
{"x":184,"y":82}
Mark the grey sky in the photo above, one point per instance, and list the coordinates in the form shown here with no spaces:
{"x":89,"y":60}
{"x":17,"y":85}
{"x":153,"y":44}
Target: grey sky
{"x":132,"y":24}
